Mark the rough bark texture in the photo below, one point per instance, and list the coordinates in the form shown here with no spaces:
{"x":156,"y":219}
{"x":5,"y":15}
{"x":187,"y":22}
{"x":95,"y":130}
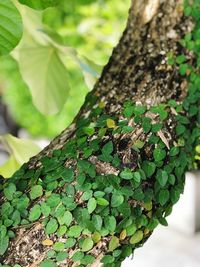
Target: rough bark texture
{"x":137,"y":71}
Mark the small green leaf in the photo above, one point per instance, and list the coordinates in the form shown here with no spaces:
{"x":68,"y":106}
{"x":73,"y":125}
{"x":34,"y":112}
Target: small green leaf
{"x":59,"y":246}
{"x":174,"y":196}
{"x":89,"y":130}
{"x":86,"y":195}
{"x":79,"y":255}
{"x":138,"y":194}
{"x":174,"y":151}
{"x":36,"y":191}
{"x":108,"y":148}
{"x":6,"y":208}
{"x":137,"y":177}
{"x":139,"y":144}
{"x":88,"y":260}
{"x":97,"y":221}
{"x":180,"y":129}
{"x":149,"y":168}
{"x":9,"y":191}
{"x":131,"y":229}
{"x":35,"y":213}
{"x":108,"y":259}
{"x":163,"y":221}
{"x":53,"y":200}
{"x":163,"y":197}
{"x":162,"y":177}
{"x":81,"y":178}
{"x":61,"y":256}
{"x":114,"y":243}
{"x":116,"y":200}
{"x":159,"y":154}
{"x":139,"y":110}
{"x":74,"y":231}
{"x":16,"y":217}
{"x":146,"y":124}
{"x":183,"y":69}
{"x":110,"y":223}
{"x":66,"y":218}
{"x":87,"y":244}
{"x":126,"y":174}
{"x":68,"y":175}
{"x":70,"y":242}
{"x":172,"y":179}
{"x":92,"y":204}
{"x":102,"y":201}
{"x":128,"y":111}
{"x":51,"y":226}
{"x":153,"y":224}
{"x":4,"y":241}
{"x":137,"y":237}
{"x":180,"y":59}
{"x":156,"y":127}
{"x":188,"y":10}
{"x":61,"y":230}
{"x":45,"y":209}
{"x":47,"y":263}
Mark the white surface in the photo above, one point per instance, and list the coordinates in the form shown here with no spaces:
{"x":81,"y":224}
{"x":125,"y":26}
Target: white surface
{"x":183,"y":215}
{"x":186,"y":213}
{"x":167,"y":248}
{"x":197,"y":202}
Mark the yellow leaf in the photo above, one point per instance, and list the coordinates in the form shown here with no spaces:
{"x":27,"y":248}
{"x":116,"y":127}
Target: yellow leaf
{"x":148,"y":206}
{"x":149,"y":214}
{"x":102,"y":105}
{"x":198,"y":149}
{"x":146,"y":231}
{"x":111,"y":123}
{"x":122,"y":235}
{"x":96,"y":237}
{"x":47,"y":242}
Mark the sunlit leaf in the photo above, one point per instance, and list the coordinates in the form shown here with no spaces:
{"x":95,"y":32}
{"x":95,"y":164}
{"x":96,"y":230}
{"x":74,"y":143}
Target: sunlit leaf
{"x":9,"y":167}
{"x":46,"y":76}
{"x":39,"y":4}
{"x":10,"y":26}
{"x":21,"y":149}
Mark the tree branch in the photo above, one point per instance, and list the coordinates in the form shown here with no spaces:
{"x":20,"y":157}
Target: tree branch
{"x":108,"y":152}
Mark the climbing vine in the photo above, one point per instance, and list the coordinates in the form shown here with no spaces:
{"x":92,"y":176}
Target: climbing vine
{"x":81,"y":208}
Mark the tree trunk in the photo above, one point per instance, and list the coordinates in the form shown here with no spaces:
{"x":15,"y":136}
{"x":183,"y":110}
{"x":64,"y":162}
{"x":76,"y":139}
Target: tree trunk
{"x":138,"y":72}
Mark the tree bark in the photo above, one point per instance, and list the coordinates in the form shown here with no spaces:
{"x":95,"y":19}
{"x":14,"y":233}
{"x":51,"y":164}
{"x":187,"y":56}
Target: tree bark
{"x":137,"y":71}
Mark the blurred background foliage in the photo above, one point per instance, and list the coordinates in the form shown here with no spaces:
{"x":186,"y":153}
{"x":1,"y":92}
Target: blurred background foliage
{"x":91,"y":27}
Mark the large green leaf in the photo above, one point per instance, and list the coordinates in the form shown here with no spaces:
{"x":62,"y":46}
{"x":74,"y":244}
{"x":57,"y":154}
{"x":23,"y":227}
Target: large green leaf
{"x":39,"y":4}
{"x":46,"y":76}
{"x":20,"y":150}
{"x":9,"y":167}
{"x":10,"y":26}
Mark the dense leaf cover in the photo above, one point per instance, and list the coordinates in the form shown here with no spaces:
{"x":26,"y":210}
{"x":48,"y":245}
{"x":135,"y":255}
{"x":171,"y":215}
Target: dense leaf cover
{"x":120,"y":208}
